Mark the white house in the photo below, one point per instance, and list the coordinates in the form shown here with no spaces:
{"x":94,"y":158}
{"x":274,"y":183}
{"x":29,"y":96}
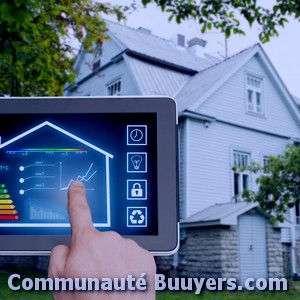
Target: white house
{"x":231,"y":112}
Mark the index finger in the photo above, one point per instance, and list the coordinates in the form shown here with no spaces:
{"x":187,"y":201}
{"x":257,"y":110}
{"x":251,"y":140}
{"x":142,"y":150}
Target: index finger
{"x":79,"y":211}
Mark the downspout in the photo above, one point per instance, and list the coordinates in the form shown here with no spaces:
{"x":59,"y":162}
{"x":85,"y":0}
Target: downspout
{"x":293,"y":247}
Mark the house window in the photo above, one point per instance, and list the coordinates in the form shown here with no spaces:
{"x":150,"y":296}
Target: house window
{"x":96,"y":65}
{"x":266,"y":164}
{"x":114,"y":88}
{"x":241,"y":177}
{"x":297,"y":208}
{"x":254,"y":86}
{"x":97,"y":61}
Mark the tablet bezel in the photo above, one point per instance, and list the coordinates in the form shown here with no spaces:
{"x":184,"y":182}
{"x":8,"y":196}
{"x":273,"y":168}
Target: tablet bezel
{"x":167,"y":240}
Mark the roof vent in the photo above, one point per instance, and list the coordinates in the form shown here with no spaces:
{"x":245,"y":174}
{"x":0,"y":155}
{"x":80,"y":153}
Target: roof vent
{"x":197,"y":46}
{"x":178,"y":40}
{"x":144,"y":30}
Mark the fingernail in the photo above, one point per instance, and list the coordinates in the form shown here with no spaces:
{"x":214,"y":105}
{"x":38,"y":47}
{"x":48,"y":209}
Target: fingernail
{"x":77,"y":183}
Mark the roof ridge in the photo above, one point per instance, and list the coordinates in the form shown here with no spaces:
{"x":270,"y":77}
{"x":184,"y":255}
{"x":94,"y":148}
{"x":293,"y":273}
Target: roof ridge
{"x":228,"y":59}
{"x":136,"y":29}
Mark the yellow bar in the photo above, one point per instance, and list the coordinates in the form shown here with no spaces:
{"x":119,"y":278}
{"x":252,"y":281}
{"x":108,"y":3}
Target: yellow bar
{"x":8,"y":212}
{"x":7,"y":206}
{"x":6,"y":201}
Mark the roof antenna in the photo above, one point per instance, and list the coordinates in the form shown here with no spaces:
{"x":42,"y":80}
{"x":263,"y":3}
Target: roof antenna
{"x":226,"y":47}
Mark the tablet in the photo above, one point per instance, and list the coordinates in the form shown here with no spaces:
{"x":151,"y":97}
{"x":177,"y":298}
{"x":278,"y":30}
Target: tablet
{"x":124,"y":150}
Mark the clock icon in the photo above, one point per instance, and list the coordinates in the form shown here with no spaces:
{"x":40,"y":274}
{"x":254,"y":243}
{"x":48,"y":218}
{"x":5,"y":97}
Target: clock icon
{"x":136,"y":135}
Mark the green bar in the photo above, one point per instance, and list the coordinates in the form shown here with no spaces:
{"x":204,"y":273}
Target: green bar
{"x":3,"y":191}
{"x":4,"y":196}
{"x":2,"y":185}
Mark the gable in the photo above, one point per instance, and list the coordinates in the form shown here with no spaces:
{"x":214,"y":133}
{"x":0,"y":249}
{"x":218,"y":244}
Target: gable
{"x":85,"y":60}
{"x":229,"y":104}
{"x":196,"y":91}
{"x":98,"y":84}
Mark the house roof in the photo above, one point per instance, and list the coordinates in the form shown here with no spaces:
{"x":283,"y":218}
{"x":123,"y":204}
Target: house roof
{"x":297,"y":100}
{"x":219,"y":214}
{"x":67,"y":133}
{"x":152,"y":79}
{"x":156,"y":48}
{"x":202,"y":82}
{"x":207,"y":81}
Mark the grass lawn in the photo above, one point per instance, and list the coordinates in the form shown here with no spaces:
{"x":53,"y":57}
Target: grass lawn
{"x":287,"y":295}
{"x":292,"y":294}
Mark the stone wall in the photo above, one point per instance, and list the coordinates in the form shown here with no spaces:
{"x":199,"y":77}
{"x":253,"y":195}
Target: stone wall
{"x":297,"y":251}
{"x":200,"y":253}
{"x":18,"y":261}
{"x":39,"y":263}
{"x":230,"y":253}
{"x":274,"y":252}
{"x":287,"y":260}
{"x":214,"y":252}
{"x":205,"y":252}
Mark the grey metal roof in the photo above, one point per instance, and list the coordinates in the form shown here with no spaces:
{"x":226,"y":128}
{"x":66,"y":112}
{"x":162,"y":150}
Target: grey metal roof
{"x":297,"y":100}
{"x":219,"y":214}
{"x":156,"y":80}
{"x":155,"y":47}
{"x":206,"y":79}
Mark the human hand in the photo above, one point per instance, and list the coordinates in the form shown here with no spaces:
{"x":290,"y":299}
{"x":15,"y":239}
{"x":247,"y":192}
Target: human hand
{"x":95,"y":254}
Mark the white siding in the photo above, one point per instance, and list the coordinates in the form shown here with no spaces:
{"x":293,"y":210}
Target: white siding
{"x":110,"y":49}
{"x":229,"y":103}
{"x":209,"y":169}
{"x":96,"y":85}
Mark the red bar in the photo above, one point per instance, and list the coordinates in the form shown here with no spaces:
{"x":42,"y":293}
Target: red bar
{"x":9,"y":217}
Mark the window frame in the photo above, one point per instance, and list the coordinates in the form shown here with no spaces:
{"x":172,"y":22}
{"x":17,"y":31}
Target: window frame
{"x":257,"y":93}
{"x":114,"y":83}
{"x":96,"y":63}
{"x":297,"y":214}
{"x":265,"y":162}
{"x":242,"y":176}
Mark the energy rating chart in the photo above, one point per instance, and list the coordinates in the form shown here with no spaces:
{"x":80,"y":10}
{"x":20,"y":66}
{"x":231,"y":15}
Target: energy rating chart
{"x":7,"y":208}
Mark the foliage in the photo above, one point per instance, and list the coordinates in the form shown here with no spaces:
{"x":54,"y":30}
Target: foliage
{"x":279,"y":183}
{"x":36,"y":56}
{"x":221,"y":14}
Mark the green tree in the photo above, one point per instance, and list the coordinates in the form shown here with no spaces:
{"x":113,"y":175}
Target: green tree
{"x":225,"y":14}
{"x":278,"y":184}
{"x":36,"y":55}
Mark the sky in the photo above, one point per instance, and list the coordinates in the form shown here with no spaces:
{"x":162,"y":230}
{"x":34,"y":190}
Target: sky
{"x":284,"y":51}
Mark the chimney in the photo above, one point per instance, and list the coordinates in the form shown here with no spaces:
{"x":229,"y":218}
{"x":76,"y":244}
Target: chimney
{"x":178,"y":40}
{"x":144,"y":30}
{"x":197,"y":46}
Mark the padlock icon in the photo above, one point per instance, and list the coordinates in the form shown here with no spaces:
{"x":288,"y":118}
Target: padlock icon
{"x":136,"y":190}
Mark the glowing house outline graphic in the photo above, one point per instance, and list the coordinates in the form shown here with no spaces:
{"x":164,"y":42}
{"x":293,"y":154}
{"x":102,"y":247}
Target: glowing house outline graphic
{"x":99,"y":150}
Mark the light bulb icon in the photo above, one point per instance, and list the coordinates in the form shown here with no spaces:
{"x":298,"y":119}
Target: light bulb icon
{"x":136,"y":161}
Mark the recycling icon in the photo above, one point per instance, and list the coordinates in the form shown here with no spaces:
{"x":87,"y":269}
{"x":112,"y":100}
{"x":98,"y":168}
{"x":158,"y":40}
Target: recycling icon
{"x":137,"y":216}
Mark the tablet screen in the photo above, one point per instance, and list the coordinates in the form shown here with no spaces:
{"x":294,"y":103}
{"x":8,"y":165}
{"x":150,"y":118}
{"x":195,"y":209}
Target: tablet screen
{"x":123,"y":149}
{"x":113,"y":154}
